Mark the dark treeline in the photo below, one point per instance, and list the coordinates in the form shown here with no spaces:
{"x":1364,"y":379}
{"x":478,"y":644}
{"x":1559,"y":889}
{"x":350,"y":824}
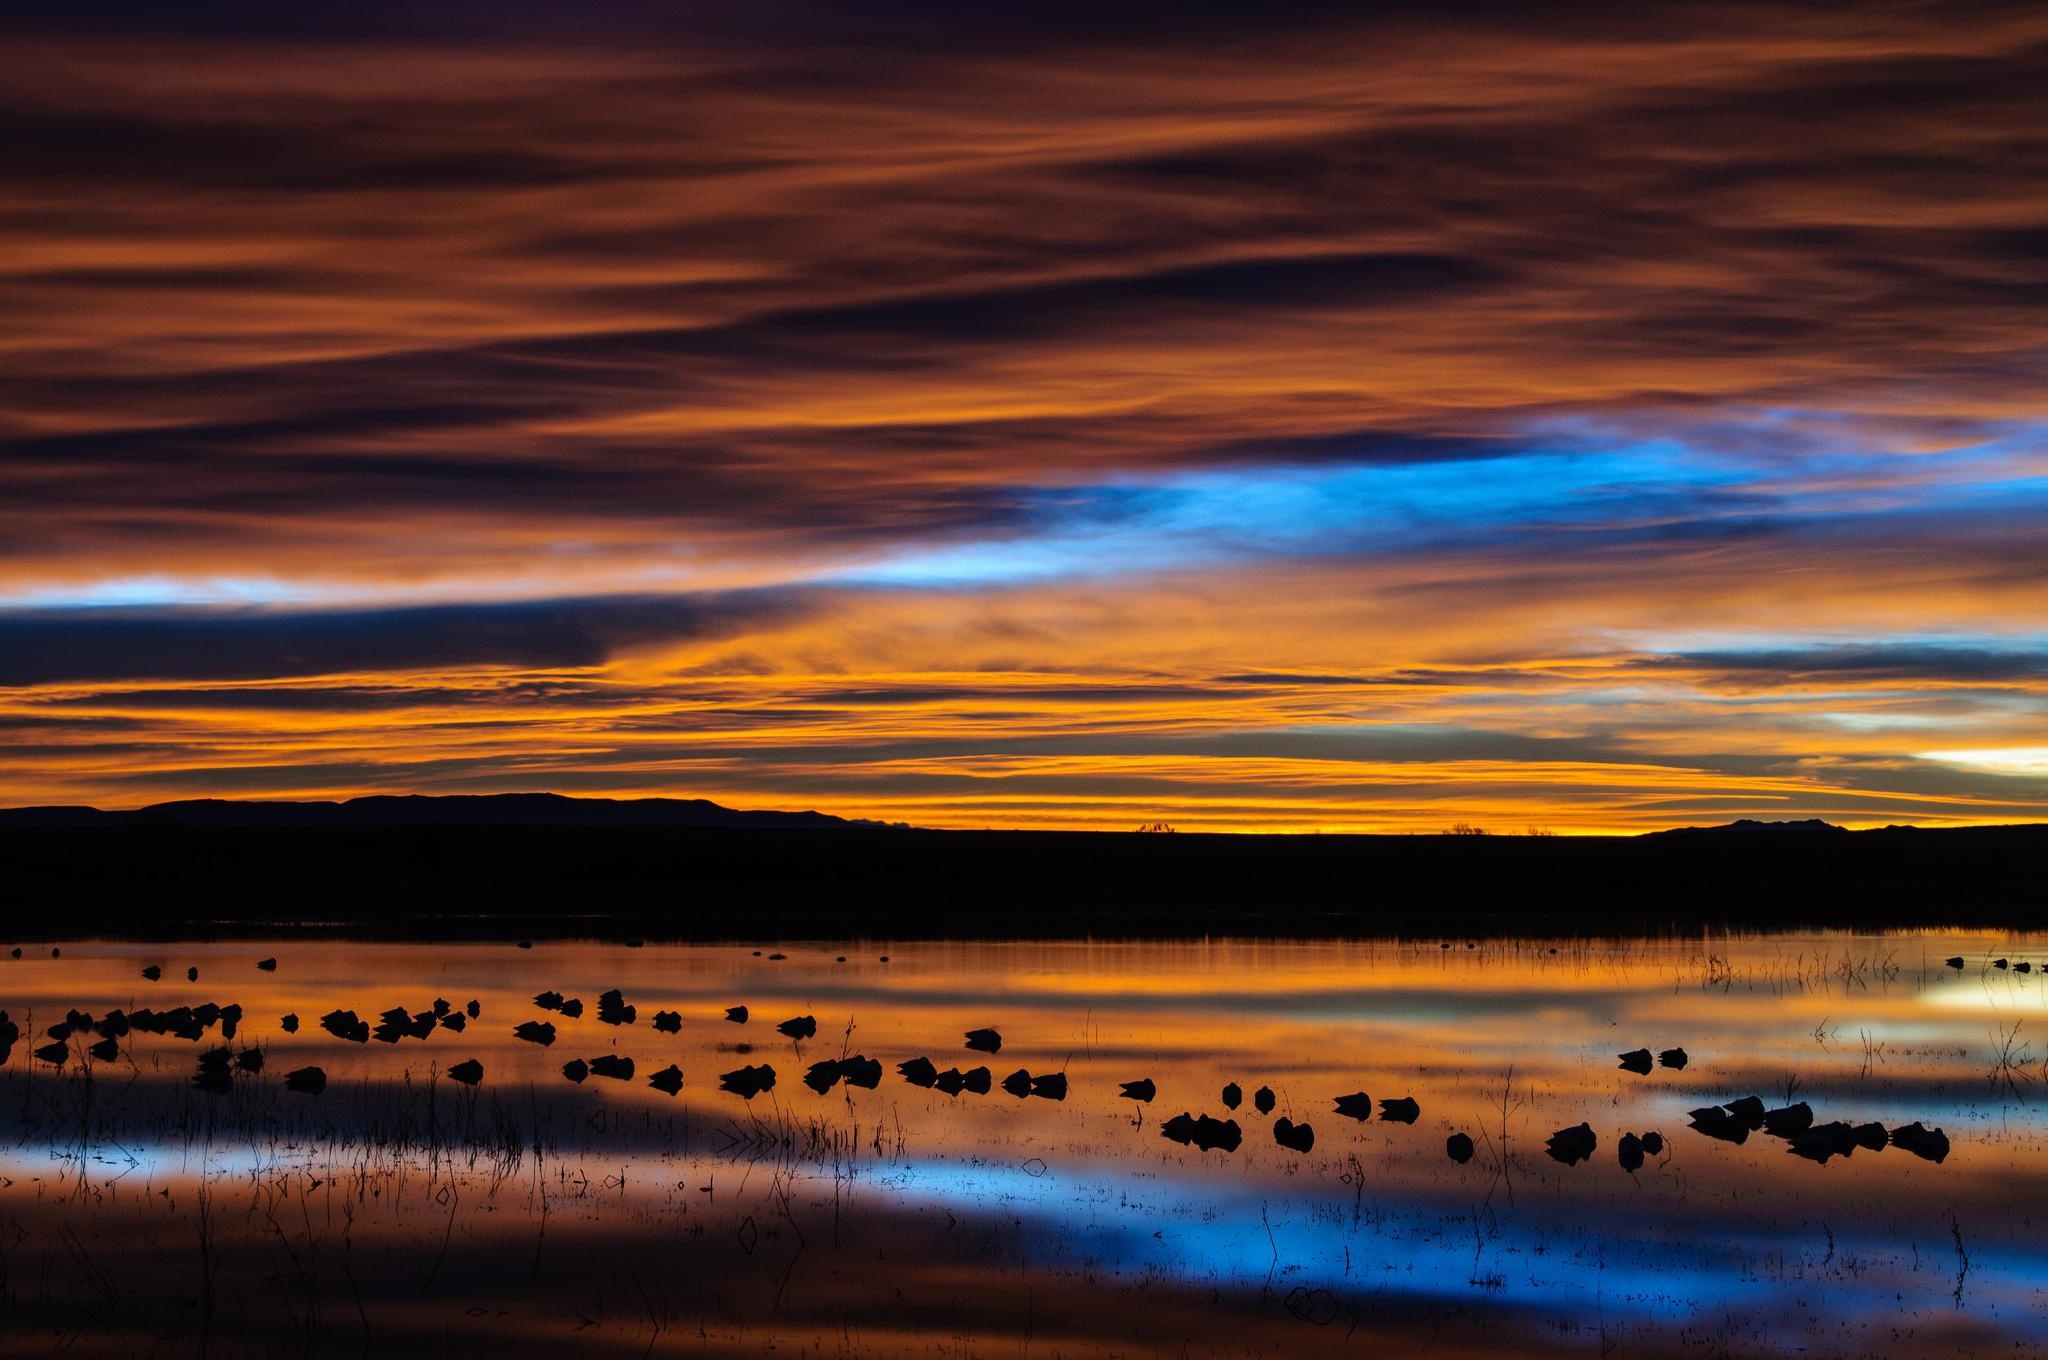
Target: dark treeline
{"x":725,"y":883}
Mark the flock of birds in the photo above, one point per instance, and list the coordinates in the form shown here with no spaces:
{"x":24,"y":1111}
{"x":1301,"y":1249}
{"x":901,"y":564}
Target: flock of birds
{"x":1732,"y":1122}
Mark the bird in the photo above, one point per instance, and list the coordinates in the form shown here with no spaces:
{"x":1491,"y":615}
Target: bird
{"x":524,"y":944}
{"x":345,"y":1025}
{"x":860,"y":1070}
{"x":455,"y":1021}
{"x":573,"y":1008}
{"x":976,"y":1080}
{"x":1292,"y":1136}
{"x":2023,"y":968}
{"x":1715,"y":1122}
{"x":535,"y":1032}
{"x":250,"y":1060}
{"x":918,"y":1071}
{"x":668,"y":1022}
{"x":468,"y":1072}
{"x":798,"y":1027}
{"x":1823,"y":1141}
{"x":1401,"y":1111}
{"x":576,"y":1070}
{"x":289,"y":1024}
{"x":54,"y":1053}
{"x":1142,"y":1089}
{"x":1871,"y":1136}
{"x":1233,"y":1096}
{"x":2000,"y":963}
{"x":1631,"y":1153}
{"x":1357,"y":1105}
{"x":1263,"y":1101}
{"x":1749,"y":1109}
{"x":154,"y":973}
{"x":267,"y":965}
{"x":1790,"y":1121}
{"x":1213,"y":1135}
{"x":1921,"y":1141}
{"x":668,"y":1080}
{"x":951,"y":1082}
{"x":823,"y":1076}
{"x":191,"y":974}
{"x":748,"y":1082}
{"x":1573,"y":1145}
{"x":635,"y":942}
{"x":1053,"y":1086}
{"x":612,"y":1065}
{"x":1458,"y":1147}
{"x":307,"y":1081}
{"x":1018,"y":1083}
{"x":1180,"y":1128}
{"x":1673,"y":1058}
{"x":474,"y":1009}
{"x":613,"y":1010}
{"x":106,"y":1050}
{"x":736,"y":1014}
{"x":1653,"y":1143}
{"x":549,"y":1001}
{"x":984,"y":1041}
{"x":1636,"y":1061}
{"x":1955,"y":962}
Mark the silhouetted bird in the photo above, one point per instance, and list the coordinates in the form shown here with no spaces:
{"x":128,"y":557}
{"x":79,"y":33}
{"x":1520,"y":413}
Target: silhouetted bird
{"x":2023,"y":968}
{"x":1018,"y":1083}
{"x":16,"y":951}
{"x":468,"y":1072}
{"x":1357,"y":1105}
{"x":250,"y":1060}
{"x":1673,"y":1058}
{"x":1402,"y":1111}
{"x":576,"y":1070}
{"x":748,"y":1082}
{"x":54,"y":1053}
{"x":1653,"y":1143}
{"x":1218,"y":1135}
{"x":613,"y":1066}
{"x":1263,"y":1101}
{"x":440,"y":1007}
{"x":267,"y":965}
{"x":1871,"y":1136}
{"x":550,"y":1001}
{"x":213,"y":1076}
{"x":290,"y":1024}
{"x":456,"y":1021}
{"x":153,"y":973}
{"x":1956,"y":962}
{"x":1573,"y":1145}
{"x":535,"y":1032}
{"x":1790,"y":1121}
{"x":1631,"y":1153}
{"x":668,"y":1080}
{"x":1637,"y":1061}
{"x":823,"y":1076}
{"x":307,"y":1081}
{"x":525,"y":944}
{"x":736,"y":1014}
{"x":1921,"y":1141}
{"x":1142,"y":1089}
{"x":106,"y":1050}
{"x":573,"y":1008}
{"x":1233,"y":1096}
{"x":112,"y":1025}
{"x":984,"y":1041}
{"x":1180,"y":1128}
{"x":1292,"y":1136}
{"x":1749,"y":1109}
{"x":918,"y":1071}
{"x":668,"y":1022}
{"x":801,"y":1027}
{"x":951,"y":1081}
{"x":1458,"y":1147}
{"x":1823,"y":1141}
{"x":191,"y":974}
{"x":1053,"y":1086}
{"x":777,"y":958}
{"x":613,"y":1010}
{"x":860,"y":1071}
{"x":1715,"y":1122}
{"x":2000,"y":963}
{"x":474,"y":1008}
{"x":635,"y":942}
{"x":345,"y":1025}
{"x":976,"y":1080}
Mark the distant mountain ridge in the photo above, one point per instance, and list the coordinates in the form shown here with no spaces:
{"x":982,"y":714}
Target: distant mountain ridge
{"x":1749,"y":826}
{"x":389,"y":810}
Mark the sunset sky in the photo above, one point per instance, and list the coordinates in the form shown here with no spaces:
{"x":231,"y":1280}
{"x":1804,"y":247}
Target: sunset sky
{"x":1288,"y":417}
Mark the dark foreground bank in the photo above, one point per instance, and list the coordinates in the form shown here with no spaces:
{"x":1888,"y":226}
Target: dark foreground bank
{"x":681,"y":882}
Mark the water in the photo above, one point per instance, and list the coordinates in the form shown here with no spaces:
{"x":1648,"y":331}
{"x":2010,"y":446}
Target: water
{"x":402,"y":1211}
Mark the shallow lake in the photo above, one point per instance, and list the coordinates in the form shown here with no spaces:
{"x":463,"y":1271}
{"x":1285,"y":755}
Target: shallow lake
{"x":401,"y":1210}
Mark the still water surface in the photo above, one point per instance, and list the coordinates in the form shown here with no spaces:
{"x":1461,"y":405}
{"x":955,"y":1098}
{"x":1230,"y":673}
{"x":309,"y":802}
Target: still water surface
{"x":405,"y":1212}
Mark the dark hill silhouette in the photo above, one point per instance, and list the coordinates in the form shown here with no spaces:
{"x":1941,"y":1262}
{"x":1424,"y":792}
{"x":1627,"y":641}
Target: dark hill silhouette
{"x":1813,"y":826}
{"x":498,"y":809}
{"x":527,"y":866}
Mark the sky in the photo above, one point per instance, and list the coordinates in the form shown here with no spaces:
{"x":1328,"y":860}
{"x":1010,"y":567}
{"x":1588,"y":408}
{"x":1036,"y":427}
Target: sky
{"x":1349,"y":417}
